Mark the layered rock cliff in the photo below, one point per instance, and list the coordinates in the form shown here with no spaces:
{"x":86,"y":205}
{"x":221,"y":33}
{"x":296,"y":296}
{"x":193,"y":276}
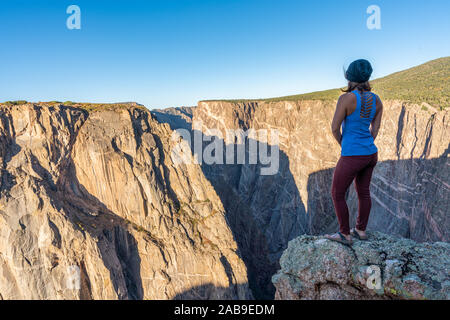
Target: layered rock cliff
{"x":383,"y":268}
{"x":92,"y":207}
{"x":410,"y":187}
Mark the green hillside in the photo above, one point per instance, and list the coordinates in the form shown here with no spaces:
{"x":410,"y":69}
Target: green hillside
{"x":429,"y":82}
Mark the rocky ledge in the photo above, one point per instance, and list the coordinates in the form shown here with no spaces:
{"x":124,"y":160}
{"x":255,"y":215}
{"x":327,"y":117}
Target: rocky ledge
{"x":384,"y":267}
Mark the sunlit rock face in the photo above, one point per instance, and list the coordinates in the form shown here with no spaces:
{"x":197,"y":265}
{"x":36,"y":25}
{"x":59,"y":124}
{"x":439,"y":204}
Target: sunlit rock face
{"x":92,"y":207}
{"x":410,"y":185}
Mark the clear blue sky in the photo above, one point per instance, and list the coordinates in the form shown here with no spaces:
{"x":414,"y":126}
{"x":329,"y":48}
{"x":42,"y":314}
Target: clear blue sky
{"x":175,"y":52}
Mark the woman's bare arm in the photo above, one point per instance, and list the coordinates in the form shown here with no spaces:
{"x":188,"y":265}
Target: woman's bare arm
{"x":341,"y":112}
{"x":376,"y":122}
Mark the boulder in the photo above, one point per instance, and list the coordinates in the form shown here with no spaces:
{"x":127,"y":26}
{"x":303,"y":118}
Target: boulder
{"x":385,"y":267}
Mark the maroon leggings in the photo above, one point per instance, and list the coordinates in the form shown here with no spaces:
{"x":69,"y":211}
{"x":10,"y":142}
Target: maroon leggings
{"x":349,"y":168}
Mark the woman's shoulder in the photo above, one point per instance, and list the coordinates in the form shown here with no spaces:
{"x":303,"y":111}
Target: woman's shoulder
{"x":347,"y":97}
{"x":379,"y":103}
{"x":377,"y":97}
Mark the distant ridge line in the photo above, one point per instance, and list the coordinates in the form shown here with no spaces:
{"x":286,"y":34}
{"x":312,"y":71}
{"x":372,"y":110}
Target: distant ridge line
{"x":425,"y":83}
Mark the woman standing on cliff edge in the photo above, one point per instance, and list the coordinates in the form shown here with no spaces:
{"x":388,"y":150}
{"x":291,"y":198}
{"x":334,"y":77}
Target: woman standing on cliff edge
{"x":359,"y":111}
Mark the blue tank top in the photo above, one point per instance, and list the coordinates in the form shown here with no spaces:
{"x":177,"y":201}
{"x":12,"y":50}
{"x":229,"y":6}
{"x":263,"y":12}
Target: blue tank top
{"x":356,"y":137}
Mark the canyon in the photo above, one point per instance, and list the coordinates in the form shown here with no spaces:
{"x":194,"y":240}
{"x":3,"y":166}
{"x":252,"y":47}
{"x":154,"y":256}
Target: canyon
{"x":96,"y":189}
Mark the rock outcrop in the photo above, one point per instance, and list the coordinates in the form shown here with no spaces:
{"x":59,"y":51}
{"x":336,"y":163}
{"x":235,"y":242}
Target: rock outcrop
{"x":92,"y":207}
{"x":383,"y":268}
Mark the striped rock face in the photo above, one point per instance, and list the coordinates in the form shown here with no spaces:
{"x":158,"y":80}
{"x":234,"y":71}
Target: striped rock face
{"x":92,"y":207}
